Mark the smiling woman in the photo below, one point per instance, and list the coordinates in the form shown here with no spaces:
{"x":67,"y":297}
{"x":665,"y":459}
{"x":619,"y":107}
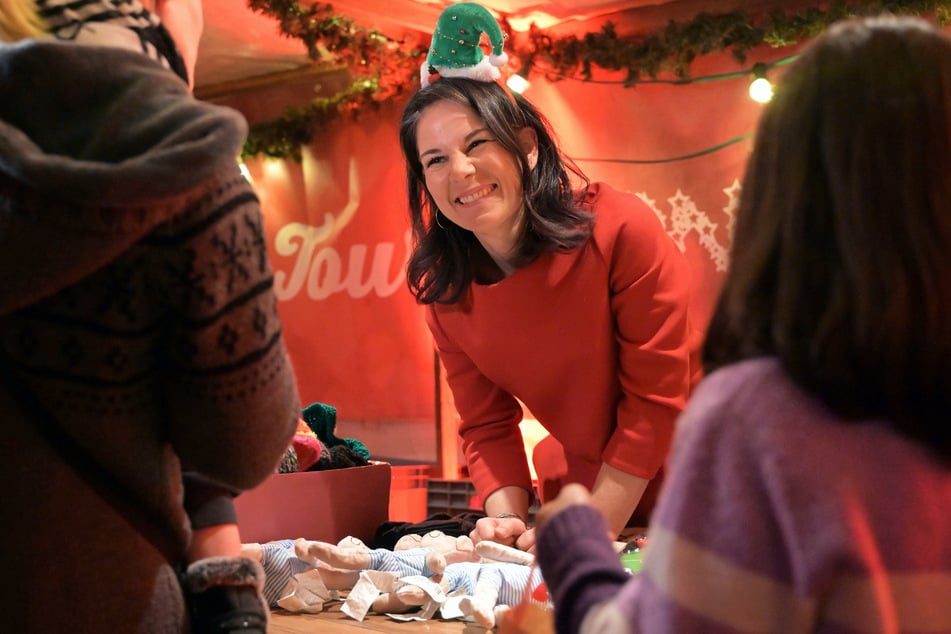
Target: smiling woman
{"x":473,"y":180}
{"x":462,"y":137}
{"x":547,"y":295}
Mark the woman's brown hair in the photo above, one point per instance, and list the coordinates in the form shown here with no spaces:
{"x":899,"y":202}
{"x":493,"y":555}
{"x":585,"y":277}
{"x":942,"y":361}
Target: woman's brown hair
{"x":440,"y":268}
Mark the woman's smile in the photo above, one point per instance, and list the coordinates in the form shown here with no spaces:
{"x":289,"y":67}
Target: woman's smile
{"x":475,"y":182}
{"x":473,"y":196}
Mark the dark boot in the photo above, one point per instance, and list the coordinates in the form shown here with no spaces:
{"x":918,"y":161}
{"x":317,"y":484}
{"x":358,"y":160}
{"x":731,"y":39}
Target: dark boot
{"x":224,"y":596}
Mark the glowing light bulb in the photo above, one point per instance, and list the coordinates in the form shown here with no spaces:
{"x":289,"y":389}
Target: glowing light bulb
{"x":761,"y":90}
{"x":517,"y":83}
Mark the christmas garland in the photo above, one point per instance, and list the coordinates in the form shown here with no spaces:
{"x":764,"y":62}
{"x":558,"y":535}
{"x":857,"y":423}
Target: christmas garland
{"x":382,"y":68}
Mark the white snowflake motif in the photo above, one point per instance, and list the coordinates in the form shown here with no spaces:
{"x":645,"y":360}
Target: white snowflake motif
{"x":685,"y":218}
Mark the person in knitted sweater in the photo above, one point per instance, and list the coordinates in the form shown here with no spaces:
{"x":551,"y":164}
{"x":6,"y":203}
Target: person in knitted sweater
{"x":543,"y":289}
{"x":167,"y":31}
{"x":140,"y":338}
{"x":809,"y":485}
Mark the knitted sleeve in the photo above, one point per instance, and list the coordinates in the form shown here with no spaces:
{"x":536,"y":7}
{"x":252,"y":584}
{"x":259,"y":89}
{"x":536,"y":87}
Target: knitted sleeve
{"x":579,"y":564}
{"x":231,"y":396}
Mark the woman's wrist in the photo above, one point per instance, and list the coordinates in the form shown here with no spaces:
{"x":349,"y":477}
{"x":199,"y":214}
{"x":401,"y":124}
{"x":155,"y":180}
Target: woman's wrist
{"x":508,"y":502}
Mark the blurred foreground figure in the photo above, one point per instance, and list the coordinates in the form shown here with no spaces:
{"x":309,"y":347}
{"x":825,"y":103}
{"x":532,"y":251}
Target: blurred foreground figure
{"x":809,"y":486}
{"x":139,"y":337}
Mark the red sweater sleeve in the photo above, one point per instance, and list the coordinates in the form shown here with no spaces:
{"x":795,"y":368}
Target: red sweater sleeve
{"x":491,"y":439}
{"x":650,"y":288}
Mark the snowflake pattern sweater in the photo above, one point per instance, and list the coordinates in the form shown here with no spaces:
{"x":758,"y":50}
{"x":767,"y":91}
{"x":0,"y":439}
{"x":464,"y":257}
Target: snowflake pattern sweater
{"x":136,"y":305}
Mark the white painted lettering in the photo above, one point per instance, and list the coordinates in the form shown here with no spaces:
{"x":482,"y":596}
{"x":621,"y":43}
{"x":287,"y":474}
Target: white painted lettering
{"x":320,"y":267}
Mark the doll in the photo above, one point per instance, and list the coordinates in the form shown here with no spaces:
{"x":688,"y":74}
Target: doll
{"x":499,"y":586}
{"x":427,"y":573}
{"x":292,"y":583}
{"x":376,"y":572}
{"x":301,"y":575}
{"x":480,"y":584}
{"x":504,"y":577}
{"x":425,"y":555}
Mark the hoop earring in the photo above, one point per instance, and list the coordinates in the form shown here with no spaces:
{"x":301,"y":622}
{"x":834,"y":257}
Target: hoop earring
{"x":439,"y":224}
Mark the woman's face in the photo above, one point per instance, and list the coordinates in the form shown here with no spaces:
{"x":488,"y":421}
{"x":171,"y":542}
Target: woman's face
{"x":475,"y":182}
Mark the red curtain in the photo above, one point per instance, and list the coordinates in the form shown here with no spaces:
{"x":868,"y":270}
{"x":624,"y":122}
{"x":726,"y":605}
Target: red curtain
{"x":338,"y":237}
{"x":338,"y":228}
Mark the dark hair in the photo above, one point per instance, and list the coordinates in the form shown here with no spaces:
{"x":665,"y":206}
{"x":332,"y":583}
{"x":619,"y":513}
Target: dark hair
{"x":440,"y":268}
{"x":841,"y":260}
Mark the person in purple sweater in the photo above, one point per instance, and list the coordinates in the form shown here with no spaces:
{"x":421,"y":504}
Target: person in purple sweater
{"x":809,"y":484}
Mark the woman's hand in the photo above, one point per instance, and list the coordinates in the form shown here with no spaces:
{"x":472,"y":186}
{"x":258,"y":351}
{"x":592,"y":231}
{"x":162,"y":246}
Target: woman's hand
{"x":502,"y":530}
{"x":570,"y":495}
{"x":506,"y":508}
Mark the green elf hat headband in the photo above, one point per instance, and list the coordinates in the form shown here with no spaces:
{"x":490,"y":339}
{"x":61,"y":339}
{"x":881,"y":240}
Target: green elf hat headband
{"x":455,"y":50}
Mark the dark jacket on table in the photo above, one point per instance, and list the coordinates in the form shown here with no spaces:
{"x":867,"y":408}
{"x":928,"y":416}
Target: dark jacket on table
{"x":137,"y":322}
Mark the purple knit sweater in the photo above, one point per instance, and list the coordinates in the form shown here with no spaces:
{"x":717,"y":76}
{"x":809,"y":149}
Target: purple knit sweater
{"x":775,"y":517}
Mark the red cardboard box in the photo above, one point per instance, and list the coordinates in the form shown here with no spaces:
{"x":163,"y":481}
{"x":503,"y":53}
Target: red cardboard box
{"x":319,"y":505}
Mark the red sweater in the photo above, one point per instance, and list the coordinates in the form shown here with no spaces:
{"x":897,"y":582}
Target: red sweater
{"x":596,"y":343}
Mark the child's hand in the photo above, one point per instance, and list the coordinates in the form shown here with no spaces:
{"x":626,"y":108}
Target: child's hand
{"x":570,"y":495}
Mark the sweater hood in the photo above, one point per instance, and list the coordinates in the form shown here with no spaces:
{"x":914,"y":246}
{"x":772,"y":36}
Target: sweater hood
{"x":97,"y":147}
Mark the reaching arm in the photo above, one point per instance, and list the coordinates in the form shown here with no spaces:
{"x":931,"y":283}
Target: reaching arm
{"x":616,"y":494}
{"x":650,"y":292}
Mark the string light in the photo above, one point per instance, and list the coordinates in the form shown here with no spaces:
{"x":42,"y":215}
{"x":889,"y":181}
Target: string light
{"x":761,"y":90}
{"x":518,"y":82}
{"x":681,"y":81}
{"x":647,"y":54}
{"x":758,"y":71}
{"x":710,"y":150}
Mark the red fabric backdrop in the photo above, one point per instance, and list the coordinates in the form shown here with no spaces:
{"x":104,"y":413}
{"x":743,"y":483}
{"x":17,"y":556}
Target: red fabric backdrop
{"x":338,"y":237}
{"x":338,"y":228}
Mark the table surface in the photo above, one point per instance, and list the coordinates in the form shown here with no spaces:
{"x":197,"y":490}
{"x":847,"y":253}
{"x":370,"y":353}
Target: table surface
{"x":333,"y":621}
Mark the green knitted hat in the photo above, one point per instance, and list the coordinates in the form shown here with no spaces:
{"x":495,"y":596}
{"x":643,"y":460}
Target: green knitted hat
{"x":455,"y":50}
{"x":322,"y":420}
